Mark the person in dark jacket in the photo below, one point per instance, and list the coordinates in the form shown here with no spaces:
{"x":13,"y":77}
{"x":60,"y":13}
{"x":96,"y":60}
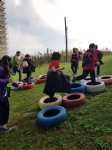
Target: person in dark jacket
{"x":88,"y":64}
{"x":56,"y":80}
{"x":74,"y":61}
{"x":98,"y":56}
{"x":27,"y":67}
{"x":5,"y":68}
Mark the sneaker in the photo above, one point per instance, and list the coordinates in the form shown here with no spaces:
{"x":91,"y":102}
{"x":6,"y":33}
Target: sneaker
{"x":4,"y":129}
{"x":73,"y":80}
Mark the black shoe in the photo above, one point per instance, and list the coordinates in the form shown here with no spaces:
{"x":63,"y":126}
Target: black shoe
{"x":4,"y":129}
{"x":73,"y":80}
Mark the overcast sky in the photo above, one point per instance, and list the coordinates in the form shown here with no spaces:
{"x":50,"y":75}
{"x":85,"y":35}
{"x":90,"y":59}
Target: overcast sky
{"x":35,"y":25}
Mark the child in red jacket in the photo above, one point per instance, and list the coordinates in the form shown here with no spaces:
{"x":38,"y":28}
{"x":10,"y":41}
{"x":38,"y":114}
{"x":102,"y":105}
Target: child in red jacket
{"x":88,"y":64}
{"x":98,"y":57}
{"x":74,"y":61}
{"x":56,"y":80}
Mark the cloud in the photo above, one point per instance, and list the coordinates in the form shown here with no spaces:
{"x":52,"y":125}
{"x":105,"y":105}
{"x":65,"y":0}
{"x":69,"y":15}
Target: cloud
{"x":41,"y":23}
{"x":24,"y":42}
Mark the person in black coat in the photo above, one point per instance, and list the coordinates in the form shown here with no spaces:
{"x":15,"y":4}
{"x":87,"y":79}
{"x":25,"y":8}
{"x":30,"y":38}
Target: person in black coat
{"x":56,"y":80}
{"x":27,"y":67}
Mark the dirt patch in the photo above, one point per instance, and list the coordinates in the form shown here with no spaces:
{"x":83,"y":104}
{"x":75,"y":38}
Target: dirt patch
{"x":13,"y":127}
{"x":27,"y":113}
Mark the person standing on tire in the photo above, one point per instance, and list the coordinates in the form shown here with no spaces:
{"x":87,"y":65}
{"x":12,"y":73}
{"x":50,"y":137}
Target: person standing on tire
{"x":98,"y":57}
{"x":5,"y":70}
{"x":27,"y":67}
{"x":88,"y":65}
{"x":56,"y":80}
{"x":74,"y":61}
{"x":16,"y":64}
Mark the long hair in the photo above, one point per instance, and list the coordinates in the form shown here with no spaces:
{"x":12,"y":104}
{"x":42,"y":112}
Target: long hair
{"x":56,"y":56}
{"x":5,"y":63}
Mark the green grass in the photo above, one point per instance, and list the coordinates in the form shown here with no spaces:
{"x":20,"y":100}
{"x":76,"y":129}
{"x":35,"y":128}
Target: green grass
{"x":88,"y":127}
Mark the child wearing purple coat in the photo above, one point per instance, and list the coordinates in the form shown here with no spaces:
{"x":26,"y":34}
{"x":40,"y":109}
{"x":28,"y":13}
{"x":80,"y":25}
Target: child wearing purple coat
{"x":5,"y":66}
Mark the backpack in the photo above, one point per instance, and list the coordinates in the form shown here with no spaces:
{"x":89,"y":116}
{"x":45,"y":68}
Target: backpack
{"x":25,"y":64}
{"x":85,"y":57}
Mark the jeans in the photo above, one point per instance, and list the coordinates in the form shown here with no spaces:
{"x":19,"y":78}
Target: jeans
{"x":74,"y":67}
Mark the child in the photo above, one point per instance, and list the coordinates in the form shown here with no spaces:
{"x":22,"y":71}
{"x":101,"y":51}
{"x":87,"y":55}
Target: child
{"x":16,"y":64}
{"x":88,"y":65}
{"x":74,"y":61}
{"x":5,"y":66}
{"x":56,"y":80}
{"x":98,"y":56}
{"x":27,"y":67}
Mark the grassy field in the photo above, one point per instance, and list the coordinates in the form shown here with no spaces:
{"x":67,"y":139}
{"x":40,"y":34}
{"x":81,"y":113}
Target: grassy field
{"x":88,"y":127}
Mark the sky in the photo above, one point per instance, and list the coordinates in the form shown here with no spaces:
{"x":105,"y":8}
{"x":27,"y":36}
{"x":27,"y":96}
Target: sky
{"x":35,"y":25}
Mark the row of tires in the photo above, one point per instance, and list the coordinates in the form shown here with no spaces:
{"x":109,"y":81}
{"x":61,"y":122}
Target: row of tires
{"x":52,"y":113}
{"x":105,"y":78}
{"x":69,"y":100}
{"x":75,"y":87}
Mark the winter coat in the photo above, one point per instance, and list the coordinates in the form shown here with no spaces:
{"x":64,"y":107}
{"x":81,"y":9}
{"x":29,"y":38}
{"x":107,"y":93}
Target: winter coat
{"x":56,"y":82}
{"x":29,"y":66}
{"x":74,"y":58}
{"x":98,"y":56}
{"x":4,"y":80}
{"x":90,"y":65}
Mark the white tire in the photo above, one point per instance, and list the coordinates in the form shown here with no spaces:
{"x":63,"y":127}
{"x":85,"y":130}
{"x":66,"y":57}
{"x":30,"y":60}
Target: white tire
{"x":94,"y":88}
{"x":43,"y":105}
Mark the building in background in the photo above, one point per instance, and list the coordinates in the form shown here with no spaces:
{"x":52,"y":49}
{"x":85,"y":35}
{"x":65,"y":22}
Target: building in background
{"x":3,"y":30}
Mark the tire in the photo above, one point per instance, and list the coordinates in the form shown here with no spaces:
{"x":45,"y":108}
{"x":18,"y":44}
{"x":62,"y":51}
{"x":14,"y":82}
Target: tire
{"x":42,"y":79}
{"x":26,"y":86}
{"x":74,"y":99}
{"x":31,"y":80}
{"x":43,"y":103}
{"x":43,"y":75}
{"x":100,"y":85}
{"x":106,"y":79}
{"x":14,"y":88}
{"x":51,"y":116}
{"x":77,"y":87}
{"x":86,"y":79}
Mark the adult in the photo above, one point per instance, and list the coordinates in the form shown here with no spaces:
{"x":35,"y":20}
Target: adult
{"x":16,"y":64}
